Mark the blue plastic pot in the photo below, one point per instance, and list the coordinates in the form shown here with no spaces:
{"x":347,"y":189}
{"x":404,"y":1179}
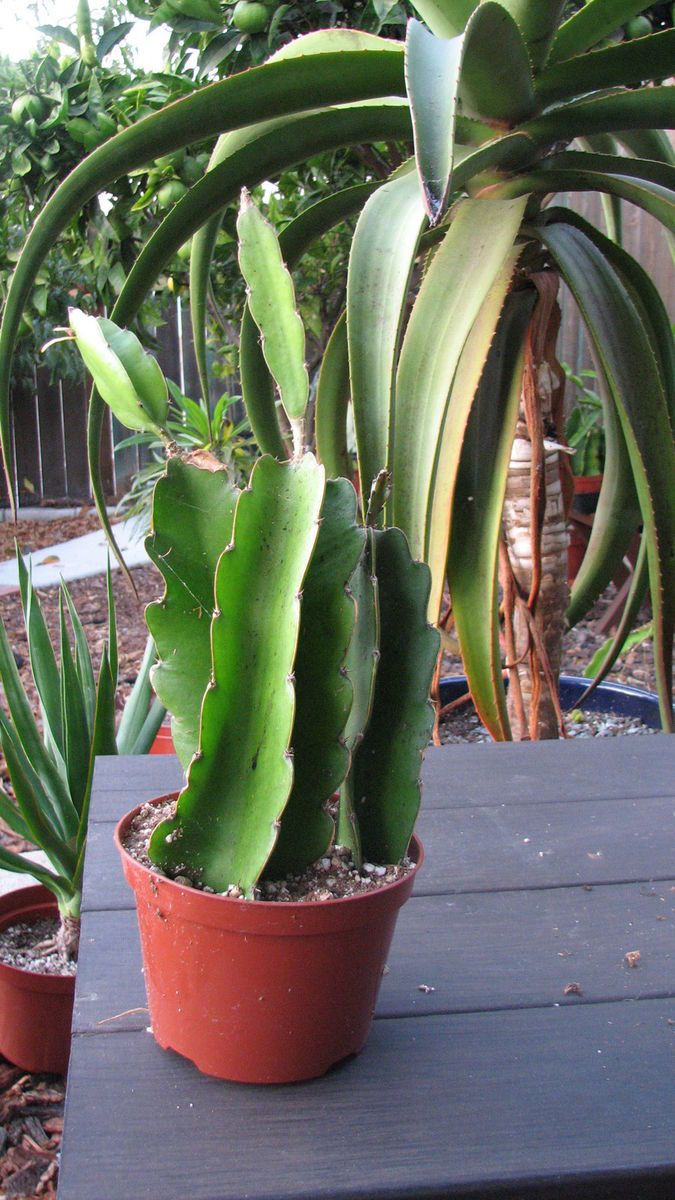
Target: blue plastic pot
{"x":607,"y":697}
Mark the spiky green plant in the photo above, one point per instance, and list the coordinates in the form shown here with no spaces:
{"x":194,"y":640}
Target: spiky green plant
{"x":506,"y":104}
{"x":51,"y":763}
{"x":294,"y":651}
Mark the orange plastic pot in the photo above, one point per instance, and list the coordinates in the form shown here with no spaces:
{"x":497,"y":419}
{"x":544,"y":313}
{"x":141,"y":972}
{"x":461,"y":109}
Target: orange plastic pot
{"x":163,"y":743}
{"x":36,"y":1011}
{"x":257,"y":991}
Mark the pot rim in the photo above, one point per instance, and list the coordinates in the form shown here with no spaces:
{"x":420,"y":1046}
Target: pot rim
{"x":38,"y":900}
{"x":415,"y":850}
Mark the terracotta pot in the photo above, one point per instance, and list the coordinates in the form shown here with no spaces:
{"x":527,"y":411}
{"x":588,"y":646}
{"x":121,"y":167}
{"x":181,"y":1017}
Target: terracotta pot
{"x":586,"y":493}
{"x":163,"y":743}
{"x":35,"y":1010}
{"x":257,"y":991}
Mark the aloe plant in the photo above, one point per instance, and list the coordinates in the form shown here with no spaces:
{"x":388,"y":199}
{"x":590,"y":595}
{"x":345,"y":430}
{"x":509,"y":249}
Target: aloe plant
{"x":51,"y":762}
{"x":294,"y":651}
{"x":505,"y":104}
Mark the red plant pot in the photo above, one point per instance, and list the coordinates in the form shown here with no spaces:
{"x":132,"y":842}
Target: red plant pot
{"x":258,"y":991}
{"x":163,"y":743}
{"x":36,"y":1011}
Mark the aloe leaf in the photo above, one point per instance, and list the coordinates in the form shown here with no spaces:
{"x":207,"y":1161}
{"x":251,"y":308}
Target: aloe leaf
{"x":42,"y":658}
{"x":617,"y":66}
{"x":538,"y":23}
{"x":463,"y":271}
{"x":591,"y":24}
{"x":361,"y":669}
{"x":238,"y":784}
{"x":445,"y":18}
{"x":138,"y":703}
{"x":323,"y":692}
{"x":27,"y":732}
{"x":623,"y":347}
{"x":271,"y":302}
{"x":647,"y":143}
{"x":385,"y":773}
{"x":642,"y":108}
{"x":380,"y":264}
{"x":76,"y":733}
{"x":496,"y":76}
{"x":192,"y":515}
{"x":332,"y":404}
{"x":432,"y":79}
{"x":263,"y":92}
{"x":464,"y":386}
{"x":655,"y":199}
{"x":604,"y":658}
{"x":477,"y":516}
{"x":257,"y":385}
{"x":41,"y":819}
{"x":647,"y":170}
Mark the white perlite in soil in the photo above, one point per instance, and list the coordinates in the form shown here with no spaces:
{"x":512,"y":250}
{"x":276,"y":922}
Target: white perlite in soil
{"x":330,"y":878}
{"x":20,"y":947}
{"x":463,"y":725}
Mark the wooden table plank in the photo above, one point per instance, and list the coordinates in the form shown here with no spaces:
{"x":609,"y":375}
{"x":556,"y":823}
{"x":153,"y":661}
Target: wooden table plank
{"x":492,"y":848}
{"x":486,"y":951}
{"x":450,"y":1106}
{"x":459,"y":775}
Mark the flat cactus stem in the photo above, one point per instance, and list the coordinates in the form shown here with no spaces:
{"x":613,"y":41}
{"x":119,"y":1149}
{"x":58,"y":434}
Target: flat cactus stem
{"x":361,"y":666}
{"x":238,"y":784}
{"x":192,"y":516}
{"x":387,"y":762}
{"x":323,"y":692}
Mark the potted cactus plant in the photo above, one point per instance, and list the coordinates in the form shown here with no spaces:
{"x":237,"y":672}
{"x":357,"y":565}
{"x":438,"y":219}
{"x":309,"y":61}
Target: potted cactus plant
{"x":295,"y":657}
{"x":50,"y":767}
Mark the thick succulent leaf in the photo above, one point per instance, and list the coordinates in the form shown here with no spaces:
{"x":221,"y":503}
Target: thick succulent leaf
{"x":617,"y":66}
{"x":538,"y":23}
{"x":647,"y":143}
{"x":387,"y":762}
{"x":464,"y":269}
{"x":623,"y":347}
{"x":604,"y":658}
{"x":655,"y":199}
{"x":332,"y":404}
{"x":361,"y":669}
{"x":272,"y":304}
{"x":496,"y":77}
{"x":642,"y":108}
{"x":262,"y":92}
{"x":464,"y":386}
{"x":27,"y":731}
{"x":323,"y":692}
{"x":135,"y":711}
{"x":150,"y":728}
{"x":591,"y":24}
{"x":192,"y":516}
{"x":238,"y":784}
{"x":648,"y":170}
{"x":105,"y":355}
{"x":257,"y":385}
{"x":432,"y":68}
{"x":380,"y":263}
{"x":445,"y":18}
{"x":477,"y":514}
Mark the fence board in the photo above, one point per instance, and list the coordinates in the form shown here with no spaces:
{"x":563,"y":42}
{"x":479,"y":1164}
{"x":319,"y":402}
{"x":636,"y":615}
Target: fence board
{"x":52,"y":440}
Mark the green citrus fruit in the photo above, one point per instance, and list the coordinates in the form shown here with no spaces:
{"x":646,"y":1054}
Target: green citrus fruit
{"x":170,"y":193}
{"x":250,"y":17}
{"x":638,"y":27}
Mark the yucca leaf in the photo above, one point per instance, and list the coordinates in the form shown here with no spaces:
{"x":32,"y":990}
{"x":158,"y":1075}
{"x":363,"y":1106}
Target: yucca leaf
{"x":445,"y":18}
{"x":627,"y":63}
{"x":623,"y":347}
{"x":149,"y":729}
{"x":83,"y":663}
{"x":57,"y":884}
{"x":42,"y":821}
{"x":10,"y":814}
{"x":102,"y":743}
{"x":76,"y":734}
{"x":464,"y":386}
{"x":463,"y":271}
{"x":477,"y":514}
{"x":332,"y":404}
{"x":380,"y":264}
{"x":42,"y":658}
{"x":591,"y":24}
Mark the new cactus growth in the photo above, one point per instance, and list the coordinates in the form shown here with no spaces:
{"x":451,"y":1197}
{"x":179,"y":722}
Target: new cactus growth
{"x":293,"y":645}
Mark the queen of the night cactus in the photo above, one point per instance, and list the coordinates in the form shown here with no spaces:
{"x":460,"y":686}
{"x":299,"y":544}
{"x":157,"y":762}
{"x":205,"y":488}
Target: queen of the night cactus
{"x":294,"y":651}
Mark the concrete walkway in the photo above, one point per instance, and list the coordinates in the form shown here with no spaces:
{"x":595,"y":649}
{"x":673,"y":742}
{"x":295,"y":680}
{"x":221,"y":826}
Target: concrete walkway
{"x":11,"y":880}
{"x":78,"y":558}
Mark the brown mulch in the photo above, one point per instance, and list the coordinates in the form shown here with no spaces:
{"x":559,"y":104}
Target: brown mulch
{"x":35,"y":535}
{"x":31,"y":1123}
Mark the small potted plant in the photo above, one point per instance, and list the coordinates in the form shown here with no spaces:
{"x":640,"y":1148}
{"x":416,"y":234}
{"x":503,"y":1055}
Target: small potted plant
{"x":50,"y":767}
{"x":295,"y":657}
{"x":585,"y":435}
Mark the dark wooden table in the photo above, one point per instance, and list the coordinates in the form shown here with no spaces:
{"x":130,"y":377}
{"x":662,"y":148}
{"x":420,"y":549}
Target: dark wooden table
{"x":515,"y":1052}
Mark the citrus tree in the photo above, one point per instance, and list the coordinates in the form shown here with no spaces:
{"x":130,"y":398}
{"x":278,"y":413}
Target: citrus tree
{"x":446,"y":349}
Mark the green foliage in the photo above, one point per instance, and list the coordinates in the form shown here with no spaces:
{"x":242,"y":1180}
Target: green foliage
{"x":584,"y":432}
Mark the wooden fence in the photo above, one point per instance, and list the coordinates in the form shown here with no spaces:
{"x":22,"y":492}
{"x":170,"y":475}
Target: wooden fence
{"x":49,"y":420}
